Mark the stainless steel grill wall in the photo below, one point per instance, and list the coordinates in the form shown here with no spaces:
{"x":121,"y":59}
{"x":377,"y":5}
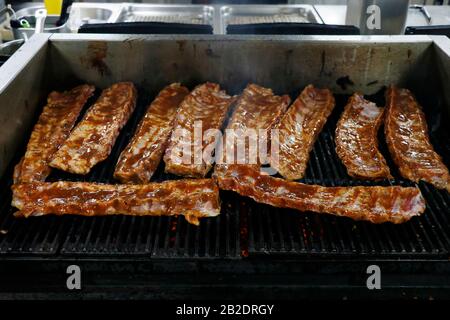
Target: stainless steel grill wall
{"x":284,"y":63}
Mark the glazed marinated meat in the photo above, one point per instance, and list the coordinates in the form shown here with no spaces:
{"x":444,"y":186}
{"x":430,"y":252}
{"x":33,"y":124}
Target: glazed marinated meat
{"x":406,"y":134}
{"x":93,"y":138}
{"x":52,"y":129}
{"x":356,"y":139}
{"x":257,"y":109}
{"x":203,"y":110}
{"x":299,"y":129}
{"x":192,"y":198}
{"x":139,"y":160}
{"x":375,"y":204}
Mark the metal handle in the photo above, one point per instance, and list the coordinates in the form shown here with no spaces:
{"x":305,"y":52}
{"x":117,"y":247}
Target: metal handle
{"x":7,"y":9}
{"x":64,"y":12}
{"x":40,"y":16}
{"x":426,"y":13}
{"x":422,"y":9}
{"x":3,"y":11}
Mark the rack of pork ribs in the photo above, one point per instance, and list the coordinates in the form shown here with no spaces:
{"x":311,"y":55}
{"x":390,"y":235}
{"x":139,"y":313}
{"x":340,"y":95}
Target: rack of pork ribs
{"x":59,"y":142}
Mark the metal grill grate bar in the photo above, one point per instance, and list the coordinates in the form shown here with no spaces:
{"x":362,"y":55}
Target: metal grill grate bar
{"x":244,"y":227}
{"x":310,"y":233}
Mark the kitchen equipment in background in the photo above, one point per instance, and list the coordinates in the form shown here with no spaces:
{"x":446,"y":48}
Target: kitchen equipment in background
{"x":433,"y":20}
{"x":82,"y":13}
{"x":26,"y":23}
{"x":192,"y":14}
{"x":292,"y":28}
{"x":133,"y":17}
{"x":64,"y":13}
{"x":146,"y":28}
{"x":365,"y":14}
{"x":440,"y":16}
{"x":3,"y":16}
{"x":7,"y":49}
{"x":2,"y":9}
{"x":434,"y":30}
{"x":313,"y":2}
{"x":40,"y":16}
{"x":252,"y":14}
{"x":220,"y":17}
{"x":423,"y":10}
{"x":5,"y":12}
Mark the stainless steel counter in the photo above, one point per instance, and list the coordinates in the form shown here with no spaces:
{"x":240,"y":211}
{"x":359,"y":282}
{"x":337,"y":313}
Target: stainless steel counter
{"x":440,"y":15}
{"x":332,"y":14}
{"x":216,"y":15}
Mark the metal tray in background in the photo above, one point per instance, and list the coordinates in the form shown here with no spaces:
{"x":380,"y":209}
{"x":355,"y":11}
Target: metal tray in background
{"x":28,"y":13}
{"x":250,"y":14}
{"x":192,"y":14}
{"x":87,"y":13}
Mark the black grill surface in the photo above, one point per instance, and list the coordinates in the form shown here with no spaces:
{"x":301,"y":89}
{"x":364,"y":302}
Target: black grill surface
{"x":244,"y":228}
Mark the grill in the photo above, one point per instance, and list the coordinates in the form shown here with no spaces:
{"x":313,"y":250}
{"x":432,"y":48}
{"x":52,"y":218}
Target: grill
{"x":167,"y":19}
{"x":280,"y":231}
{"x":281,"y":18}
{"x":267,"y":230}
{"x":120,"y":235}
{"x":245,"y":231}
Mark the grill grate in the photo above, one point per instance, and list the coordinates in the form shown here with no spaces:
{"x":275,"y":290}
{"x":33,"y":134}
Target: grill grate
{"x":277,"y":18}
{"x":244,"y":228}
{"x":118,"y":235}
{"x":285,"y":231}
{"x":190,"y":19}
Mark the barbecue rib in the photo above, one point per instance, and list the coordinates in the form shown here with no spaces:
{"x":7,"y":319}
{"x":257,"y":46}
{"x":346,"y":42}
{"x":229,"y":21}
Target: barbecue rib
{"x":356,"y":139}
{"x":192,"y":198}
{"x":52,"y":129}
{"x":204,"y":109}
{"x":139,"y":160}
{"x":375,"y":204}
{"x":257,"y":109}
{"x":299,"y":129}
{"x":406,"y":134}
{"x":93,"y":138}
